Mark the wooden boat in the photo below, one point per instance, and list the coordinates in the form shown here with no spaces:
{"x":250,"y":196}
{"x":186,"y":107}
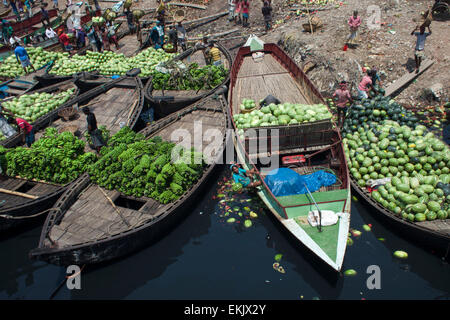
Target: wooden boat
{"x":85,"y":228}
{"x":166,"y":102}
{"x":89,"y":80}
{"x":23,"y":26}
{"x":434,"y":235}
{"x":16,"y":87}
{"x":27,"y":200}
{"x":46,"y":119}
{"x":277,"y":74}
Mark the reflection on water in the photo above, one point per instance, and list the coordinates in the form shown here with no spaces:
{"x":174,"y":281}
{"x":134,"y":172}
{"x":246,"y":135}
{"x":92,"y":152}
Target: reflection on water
{"x":205,"y":257}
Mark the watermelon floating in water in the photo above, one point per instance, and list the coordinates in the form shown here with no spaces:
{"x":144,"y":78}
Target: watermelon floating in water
{"x":367,"y":228}
{"x":350,"y":272}
{"x":247,"y":223}
{"x":400,"y":254}
{"x":231,"y":220}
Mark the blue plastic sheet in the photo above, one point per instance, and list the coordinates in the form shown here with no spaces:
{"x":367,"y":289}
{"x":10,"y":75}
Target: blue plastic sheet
{"x":287,"y":182}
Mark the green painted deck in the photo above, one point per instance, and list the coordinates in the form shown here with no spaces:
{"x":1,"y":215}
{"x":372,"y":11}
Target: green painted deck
{"x":327,"y":239}
{"x":298,"y":199}
{"x":294,"y":212}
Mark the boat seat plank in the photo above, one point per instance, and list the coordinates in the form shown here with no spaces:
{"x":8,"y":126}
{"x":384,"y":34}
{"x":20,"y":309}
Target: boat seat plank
{"x":178,"y":93}
{"x":268,"y":65}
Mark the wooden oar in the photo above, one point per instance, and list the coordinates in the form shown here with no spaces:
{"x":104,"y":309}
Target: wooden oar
{"x":20,"y":194}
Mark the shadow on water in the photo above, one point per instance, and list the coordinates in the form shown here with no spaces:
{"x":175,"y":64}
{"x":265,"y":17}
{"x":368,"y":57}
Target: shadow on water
{"x":118,"y":278}
{"x":317,"y":274}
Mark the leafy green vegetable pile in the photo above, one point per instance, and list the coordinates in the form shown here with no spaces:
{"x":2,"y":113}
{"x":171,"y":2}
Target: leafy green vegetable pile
{"x":139,"y":167}
{"x":33,"y":106}
{"x":193,"y":78}
{"x":57,"y":158}
{"x":417,"y":162}
{"x":281,"y":114}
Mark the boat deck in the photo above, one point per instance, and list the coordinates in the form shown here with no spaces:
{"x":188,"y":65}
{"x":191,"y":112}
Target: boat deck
{"x":190,"y":125}
{"x":256,"y":80}
{"x":37,"y":189}
{"x":92,"y":216}
{"x":110,"y":109}
{"x":128,"y":45}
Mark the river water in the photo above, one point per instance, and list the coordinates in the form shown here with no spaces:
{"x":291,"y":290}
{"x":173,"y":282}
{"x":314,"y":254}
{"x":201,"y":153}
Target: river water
{"x":205,"y":257}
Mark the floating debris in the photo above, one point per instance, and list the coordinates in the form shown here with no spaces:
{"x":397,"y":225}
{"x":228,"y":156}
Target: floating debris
{"x":356,"y":233}
{"x":349,"y":241}
{"x":400,"y":254}
{"x":253,"y":214}
{"x":354,"y":198}
{"x":367,"y":228}
{"x":281,"y":270}
{"x":350,"y":272}
{"x":381,"y":239}
{"x":278,"y":257}
{"x":231,"y":220}
{"x":246,"y":208}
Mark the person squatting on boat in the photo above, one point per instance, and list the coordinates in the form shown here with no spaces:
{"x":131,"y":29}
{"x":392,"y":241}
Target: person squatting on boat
{"x":244,"y":177}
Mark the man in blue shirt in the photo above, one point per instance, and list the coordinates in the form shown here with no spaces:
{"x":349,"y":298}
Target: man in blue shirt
{"x":244,"y":177}
{"x":22,"y":55}
{"x":420,"y":44}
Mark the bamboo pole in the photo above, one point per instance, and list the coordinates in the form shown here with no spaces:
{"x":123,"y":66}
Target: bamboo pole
{"x":114,"y":206}
{"x":20,"y":194}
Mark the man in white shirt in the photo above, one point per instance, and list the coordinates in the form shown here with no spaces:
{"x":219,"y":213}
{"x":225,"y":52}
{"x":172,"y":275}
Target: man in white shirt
{"x":420,"y":44}
{"x":13,"y":40}
{"x":50,"y":33}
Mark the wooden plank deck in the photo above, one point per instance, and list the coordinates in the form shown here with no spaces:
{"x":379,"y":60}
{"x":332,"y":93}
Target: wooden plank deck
{"x":92,"y":217}
{"x":199,"y":123}
{"x":256,"y":80}
{"x":407,"y":78}
{"x":13,"y":184}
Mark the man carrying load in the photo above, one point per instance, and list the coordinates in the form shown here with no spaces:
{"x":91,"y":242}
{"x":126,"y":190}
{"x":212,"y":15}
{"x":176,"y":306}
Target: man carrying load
{"x":214,"y":55}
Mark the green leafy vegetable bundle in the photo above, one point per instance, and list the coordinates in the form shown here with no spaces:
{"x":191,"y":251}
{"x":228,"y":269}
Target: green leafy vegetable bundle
{"x":139,"y":167}
{"x":193,"y":78}
{"x":58,"y":158}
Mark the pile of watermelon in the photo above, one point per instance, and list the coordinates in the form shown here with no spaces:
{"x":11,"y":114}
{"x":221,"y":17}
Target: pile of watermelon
{"x":416,"y":161}
{"x":373,"y":111}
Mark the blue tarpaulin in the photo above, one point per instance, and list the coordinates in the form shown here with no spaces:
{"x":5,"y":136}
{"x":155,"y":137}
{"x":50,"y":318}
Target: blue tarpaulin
{"x":287,"y":182}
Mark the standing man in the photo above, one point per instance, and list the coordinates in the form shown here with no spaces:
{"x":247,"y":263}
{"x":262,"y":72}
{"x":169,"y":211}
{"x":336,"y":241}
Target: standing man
{"x":181,"y":35}
{"x":231,"y":9}
{"x":238,"y":12}
{"x":112,"y":35}
{"x":26,"y":130}
{"x":45,"y":16}
{"x":214,"y":55}
{"x":267,"y":13}
{"x":23,"y":57}
{"x":14,"y":7}
{"x":81,"y":38}
{"x":354,"y":22}
{"x":245,"y":12}
{"x":105,"y":39}
{"x":365,"y":85}
{"x":173,"y":37}
{"x":342,"y":97}
{"x":420,"y":44}
{"x":93,"y":40}
{"x":94,"y":132}
{"x":130,"y":20}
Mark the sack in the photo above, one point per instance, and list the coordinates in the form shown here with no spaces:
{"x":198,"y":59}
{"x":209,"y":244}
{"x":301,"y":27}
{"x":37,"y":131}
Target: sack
{"x":268,"y":100}
{"x":329,"y":218}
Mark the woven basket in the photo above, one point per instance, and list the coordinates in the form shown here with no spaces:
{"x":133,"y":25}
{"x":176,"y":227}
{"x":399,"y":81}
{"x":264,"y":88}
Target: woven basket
{"x":67,"y":113}
{"x":71,"y":128}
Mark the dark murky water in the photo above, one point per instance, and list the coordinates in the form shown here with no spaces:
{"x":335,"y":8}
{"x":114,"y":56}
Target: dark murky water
{"x":207,"y":258}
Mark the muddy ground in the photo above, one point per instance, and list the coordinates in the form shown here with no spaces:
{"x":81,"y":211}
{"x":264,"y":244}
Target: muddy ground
{"x":385,"y":42}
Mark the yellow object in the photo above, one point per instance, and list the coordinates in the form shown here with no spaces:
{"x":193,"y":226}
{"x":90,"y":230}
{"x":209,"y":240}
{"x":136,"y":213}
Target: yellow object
{"x":215,"y":54}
